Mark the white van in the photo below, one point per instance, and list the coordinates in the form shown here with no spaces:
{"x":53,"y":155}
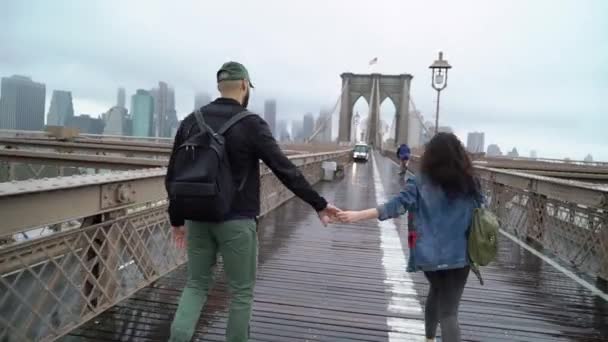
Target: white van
{"x":361,"y":152}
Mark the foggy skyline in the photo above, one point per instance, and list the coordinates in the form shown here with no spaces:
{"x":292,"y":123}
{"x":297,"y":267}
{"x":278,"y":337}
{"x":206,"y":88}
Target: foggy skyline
{"x":531,"y":75}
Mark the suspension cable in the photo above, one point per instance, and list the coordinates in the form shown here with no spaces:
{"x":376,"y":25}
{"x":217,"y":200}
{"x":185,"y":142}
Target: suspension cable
{"x":328,"y":117}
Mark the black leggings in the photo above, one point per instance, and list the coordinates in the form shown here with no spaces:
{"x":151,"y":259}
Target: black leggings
{"x":446,"y":288}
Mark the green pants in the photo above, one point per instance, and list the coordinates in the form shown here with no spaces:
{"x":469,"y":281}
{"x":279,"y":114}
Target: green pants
{"x":237,"y":242}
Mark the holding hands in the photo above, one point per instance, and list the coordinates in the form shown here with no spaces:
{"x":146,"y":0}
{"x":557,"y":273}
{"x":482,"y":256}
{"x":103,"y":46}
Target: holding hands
{"x":329,"y":214}
{"x":332,"y":214}
{"x":349,"y":216}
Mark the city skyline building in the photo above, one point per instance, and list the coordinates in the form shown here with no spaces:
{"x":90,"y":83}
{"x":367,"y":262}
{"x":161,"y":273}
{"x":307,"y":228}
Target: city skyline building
{"x":513,"y":153}
{"x":165,"y":117}
{"x":383,"y":128}
{"x":86,"y":124}
{"x":61,"y":109}
{"x":588,"y":158}
{"x":356,"y":126}
{"x":201,"y":99}
{"x":270,"y":114}
{"x":494,"y":151}
{"x":296,"y":130}
{"x":308,"y":126}
{"x":476,"y":142}
{"x":282,"y":132}
{"x":142,"y":113}
{"x":121,"y":98}
{"x":116,"y":121}
{"x":22,"y":103}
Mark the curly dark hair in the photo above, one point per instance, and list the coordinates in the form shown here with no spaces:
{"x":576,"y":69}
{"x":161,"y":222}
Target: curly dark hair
{"x":447,"y":164}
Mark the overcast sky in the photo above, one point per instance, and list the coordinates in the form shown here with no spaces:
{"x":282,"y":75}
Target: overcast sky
{"x":531,"y":74}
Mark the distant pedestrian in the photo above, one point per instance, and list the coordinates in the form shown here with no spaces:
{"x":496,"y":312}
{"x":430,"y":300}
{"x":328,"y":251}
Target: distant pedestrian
{"x":218,"y":199}
{"x":403,"y":154}
{"x":441,"y":200}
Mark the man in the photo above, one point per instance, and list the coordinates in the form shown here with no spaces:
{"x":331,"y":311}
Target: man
{"x":235,"y":237}
{"x":403,"y":153}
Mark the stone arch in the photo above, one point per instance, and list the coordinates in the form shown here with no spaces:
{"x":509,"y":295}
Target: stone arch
{"x":388,"y":111}
{"x":375,"y":88}
{"x":363,"y":112}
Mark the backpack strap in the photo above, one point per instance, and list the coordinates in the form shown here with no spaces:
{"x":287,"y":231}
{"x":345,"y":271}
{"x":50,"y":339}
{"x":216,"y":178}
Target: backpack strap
{"x":202,"y":125}
{"x":233,"y":121}
{"x":478,"y":194}
{"x":475,"y":269}
{"x":225,"y":127}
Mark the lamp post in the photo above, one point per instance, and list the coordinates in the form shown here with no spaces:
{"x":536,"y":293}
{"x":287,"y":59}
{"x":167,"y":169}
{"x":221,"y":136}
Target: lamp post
{"x":439,"y":81}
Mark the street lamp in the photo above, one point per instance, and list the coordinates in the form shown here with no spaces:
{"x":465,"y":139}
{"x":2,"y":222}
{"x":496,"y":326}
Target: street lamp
{"x":439,"y":80}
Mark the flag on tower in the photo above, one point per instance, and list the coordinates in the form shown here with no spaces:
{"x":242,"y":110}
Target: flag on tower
{"x":373,"y":61}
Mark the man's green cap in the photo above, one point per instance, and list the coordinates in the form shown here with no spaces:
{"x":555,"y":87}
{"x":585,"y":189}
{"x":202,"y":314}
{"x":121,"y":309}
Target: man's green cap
{"x":233,"y":71}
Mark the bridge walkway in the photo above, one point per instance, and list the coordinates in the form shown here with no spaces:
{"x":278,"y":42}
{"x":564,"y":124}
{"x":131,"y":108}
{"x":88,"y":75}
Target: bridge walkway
{"x":347,"y":283}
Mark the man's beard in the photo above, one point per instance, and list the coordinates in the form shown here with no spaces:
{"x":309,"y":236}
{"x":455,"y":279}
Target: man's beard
{"x":246,"y":100}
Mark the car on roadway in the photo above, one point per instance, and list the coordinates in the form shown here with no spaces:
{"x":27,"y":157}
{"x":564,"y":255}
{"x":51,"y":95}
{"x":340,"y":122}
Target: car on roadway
{"x":361,"y":152}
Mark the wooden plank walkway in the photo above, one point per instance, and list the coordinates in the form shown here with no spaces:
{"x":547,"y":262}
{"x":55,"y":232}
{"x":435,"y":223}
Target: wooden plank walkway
{"x":347,"y":283}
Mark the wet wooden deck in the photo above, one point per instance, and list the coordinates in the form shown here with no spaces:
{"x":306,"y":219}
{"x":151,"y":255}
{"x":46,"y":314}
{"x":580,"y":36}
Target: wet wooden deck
{"x":347,"y":283}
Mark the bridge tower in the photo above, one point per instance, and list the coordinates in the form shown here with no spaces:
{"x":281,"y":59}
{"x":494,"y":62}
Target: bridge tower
{"x":375,"y":88}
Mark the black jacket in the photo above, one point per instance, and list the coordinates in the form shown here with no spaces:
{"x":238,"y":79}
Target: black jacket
{"x":247,"y":142}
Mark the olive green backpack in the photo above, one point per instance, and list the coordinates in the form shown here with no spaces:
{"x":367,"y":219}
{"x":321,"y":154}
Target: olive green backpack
{"x":483,"y":239}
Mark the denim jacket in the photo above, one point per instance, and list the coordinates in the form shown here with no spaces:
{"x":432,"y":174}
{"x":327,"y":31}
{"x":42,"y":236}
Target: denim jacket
{"x":441,"y":223}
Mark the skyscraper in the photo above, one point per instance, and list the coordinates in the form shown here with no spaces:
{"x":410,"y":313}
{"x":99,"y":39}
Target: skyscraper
{"x":513,"y":153}
{"x":116,"y":121}
{"x":61,"y":109}
{"x":308,"y":126}
{"x":589,"y":158}
{"x":142,"y":112}
{"x":121,"y":98}
{"x":475,"y":142}
{"x":296,"y":130}
{"x":86,"y":124}
{"x":201,"y":99}
{"x":270,"y":114}
{"x":494,"y":151}
{"x":22,"y":103}
{"x":282,"y":133}
{"x":165,"y":116}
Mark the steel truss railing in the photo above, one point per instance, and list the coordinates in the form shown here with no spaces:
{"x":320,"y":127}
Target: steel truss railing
{"x":50,"y":285}
{"x":567,"y":219}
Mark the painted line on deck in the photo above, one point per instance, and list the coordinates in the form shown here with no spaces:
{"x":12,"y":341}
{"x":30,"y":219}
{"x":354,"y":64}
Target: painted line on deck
{"x":403,"y":297}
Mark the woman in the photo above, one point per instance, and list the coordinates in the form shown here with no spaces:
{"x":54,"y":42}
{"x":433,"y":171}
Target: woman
{"x":442,"y":198}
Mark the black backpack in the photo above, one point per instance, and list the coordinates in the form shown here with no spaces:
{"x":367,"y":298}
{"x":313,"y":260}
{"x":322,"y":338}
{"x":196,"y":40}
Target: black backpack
{"x":202,"y":184}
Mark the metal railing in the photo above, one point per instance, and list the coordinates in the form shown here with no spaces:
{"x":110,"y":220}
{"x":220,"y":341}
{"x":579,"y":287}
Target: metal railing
{"x":50,"y":285}
{"x":553,"y":160}
{"x":567,"y":219}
